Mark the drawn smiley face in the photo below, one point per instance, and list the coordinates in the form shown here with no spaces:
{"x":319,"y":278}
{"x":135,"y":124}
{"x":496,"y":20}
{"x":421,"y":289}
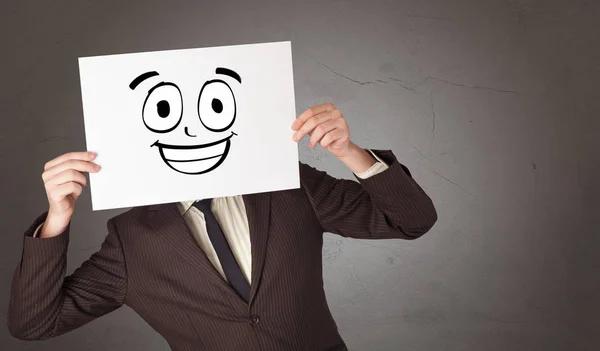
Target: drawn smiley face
{"x":162,"y":112}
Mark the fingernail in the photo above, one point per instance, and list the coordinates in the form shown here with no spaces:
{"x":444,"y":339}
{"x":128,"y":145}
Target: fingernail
{"x":92,"y":154}
{"x":98,"y":167}
{"x":295,"y":137}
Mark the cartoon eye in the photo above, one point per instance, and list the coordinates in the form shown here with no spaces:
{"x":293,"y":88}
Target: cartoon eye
{"x":216,"y":105}
{"x":163,"y":108}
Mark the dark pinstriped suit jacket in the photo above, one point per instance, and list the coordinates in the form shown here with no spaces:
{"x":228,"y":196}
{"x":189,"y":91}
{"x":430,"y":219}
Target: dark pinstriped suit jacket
{"x":150,"y":262}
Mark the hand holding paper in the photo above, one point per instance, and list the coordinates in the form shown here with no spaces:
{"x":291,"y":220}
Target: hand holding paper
{"x":64,"y":181}
{"x":327,"y":127}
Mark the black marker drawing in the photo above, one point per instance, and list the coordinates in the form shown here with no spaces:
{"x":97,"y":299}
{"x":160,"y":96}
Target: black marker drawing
{"x":228,"y":72}
{"x":142,"y":77}
{"x":162,"y":112}
{"x":216,"y":106}
{"x":163,"y":108}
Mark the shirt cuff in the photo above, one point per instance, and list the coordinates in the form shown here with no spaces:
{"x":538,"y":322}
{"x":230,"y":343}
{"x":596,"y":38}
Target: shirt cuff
{"x":37,"y":230}
{"x":376,"y":168}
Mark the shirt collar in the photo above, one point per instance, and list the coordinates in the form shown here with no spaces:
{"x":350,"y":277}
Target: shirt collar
{"x":184,"y":206}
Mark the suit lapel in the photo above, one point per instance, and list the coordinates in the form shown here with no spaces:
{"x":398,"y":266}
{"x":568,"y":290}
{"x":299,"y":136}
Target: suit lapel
{"x":167,"y":222}
{"x":258,"y":210}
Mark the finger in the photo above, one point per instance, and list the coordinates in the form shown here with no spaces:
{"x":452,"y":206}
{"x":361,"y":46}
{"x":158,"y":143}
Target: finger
{"x":332,"y":137}
{"x":336,"y":144}
{"x":315,"y":110}
{"x":311,"y":124}
{"x":84,"y":155}
{"x":69,"y":175}
{"x":78,"y":165}
{"x":60,"y":192}
{"x":320,"y":131}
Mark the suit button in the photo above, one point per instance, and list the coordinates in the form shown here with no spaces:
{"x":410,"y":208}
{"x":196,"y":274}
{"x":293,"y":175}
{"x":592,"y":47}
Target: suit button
{"x":254,"y":319}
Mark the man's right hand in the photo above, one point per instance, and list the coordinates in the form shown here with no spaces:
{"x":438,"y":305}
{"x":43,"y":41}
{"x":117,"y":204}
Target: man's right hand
{"x":64,"y":180}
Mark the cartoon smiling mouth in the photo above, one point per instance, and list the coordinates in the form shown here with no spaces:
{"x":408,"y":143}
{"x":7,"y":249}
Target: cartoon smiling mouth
{"x":195,"y":159}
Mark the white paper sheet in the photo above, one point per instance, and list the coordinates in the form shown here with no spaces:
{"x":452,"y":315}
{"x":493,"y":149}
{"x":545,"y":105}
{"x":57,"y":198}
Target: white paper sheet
{"x":147,"y":130}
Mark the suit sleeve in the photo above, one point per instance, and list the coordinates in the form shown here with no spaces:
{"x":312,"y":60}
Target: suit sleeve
{"x":45,"y":303}
{"x":386,"y":205}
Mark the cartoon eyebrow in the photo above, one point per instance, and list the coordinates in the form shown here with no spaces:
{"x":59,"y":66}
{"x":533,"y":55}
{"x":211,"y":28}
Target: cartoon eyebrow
{"x":142,"y":77}
{"x":228,"y":72}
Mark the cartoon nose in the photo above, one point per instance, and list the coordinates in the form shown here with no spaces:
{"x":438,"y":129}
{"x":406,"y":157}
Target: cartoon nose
{"x":187,"y":132}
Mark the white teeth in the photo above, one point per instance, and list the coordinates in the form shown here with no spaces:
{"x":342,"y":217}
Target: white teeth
{"x":195,"y":160}
{"x":194,"y":166}
{"x":208,"y":153}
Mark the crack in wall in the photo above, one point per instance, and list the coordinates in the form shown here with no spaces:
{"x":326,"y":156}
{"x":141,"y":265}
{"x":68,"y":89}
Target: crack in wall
{"x":343,"y":76}
{"x":458,"y":186}
{"x":433,"y":117}
{"x":475,"y":87}
{"x":412,"y":88}
{"x":420,"y":153}
{"x":402,"y":85}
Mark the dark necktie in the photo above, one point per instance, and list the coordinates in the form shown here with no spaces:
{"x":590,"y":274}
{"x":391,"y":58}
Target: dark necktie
{"x":232,"y":269}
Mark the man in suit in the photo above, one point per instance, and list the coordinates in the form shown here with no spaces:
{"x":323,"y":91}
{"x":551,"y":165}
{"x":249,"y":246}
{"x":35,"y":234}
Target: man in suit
{"x":231,"y":273}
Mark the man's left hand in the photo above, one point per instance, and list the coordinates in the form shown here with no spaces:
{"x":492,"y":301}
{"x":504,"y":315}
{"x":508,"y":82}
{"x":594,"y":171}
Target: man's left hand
{"x":326,"y":126}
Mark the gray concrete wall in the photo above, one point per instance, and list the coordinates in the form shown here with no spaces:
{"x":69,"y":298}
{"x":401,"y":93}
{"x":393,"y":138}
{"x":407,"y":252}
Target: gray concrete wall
{"x":493,"y":105}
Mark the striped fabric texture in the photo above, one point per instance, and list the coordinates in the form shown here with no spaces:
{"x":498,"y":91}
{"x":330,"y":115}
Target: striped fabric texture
{"x":231,"y":214}
{"x":151,"y":262}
